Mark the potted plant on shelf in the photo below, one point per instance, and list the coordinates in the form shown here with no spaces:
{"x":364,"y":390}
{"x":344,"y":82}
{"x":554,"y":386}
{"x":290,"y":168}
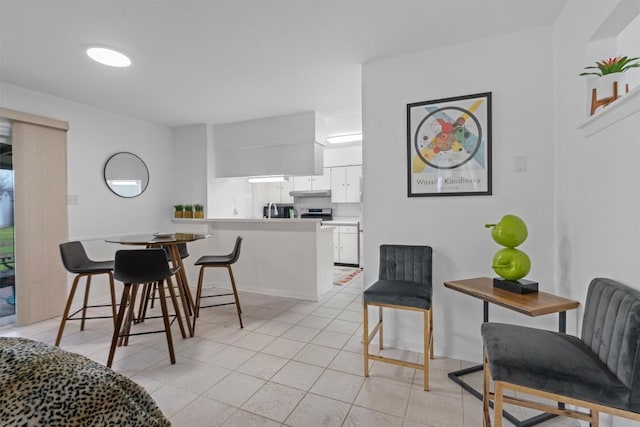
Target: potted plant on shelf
{"x":609,"y":83}
{"x":179,"y":211}
{"x":199,"y":211}
{"x":188,"y":211}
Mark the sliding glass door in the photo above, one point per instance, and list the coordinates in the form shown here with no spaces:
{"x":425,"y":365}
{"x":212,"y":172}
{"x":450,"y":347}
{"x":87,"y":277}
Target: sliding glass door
{"x":7,"y":264}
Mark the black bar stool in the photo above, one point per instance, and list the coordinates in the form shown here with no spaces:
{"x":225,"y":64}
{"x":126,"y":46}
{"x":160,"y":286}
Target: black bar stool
{"x":136,"y":267}
{"x":218,"y":261}
{"x":75,"y":260}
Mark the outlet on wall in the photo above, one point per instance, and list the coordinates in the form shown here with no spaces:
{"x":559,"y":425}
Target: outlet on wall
{"x":520,"y":164}
{"x":72,"y":199}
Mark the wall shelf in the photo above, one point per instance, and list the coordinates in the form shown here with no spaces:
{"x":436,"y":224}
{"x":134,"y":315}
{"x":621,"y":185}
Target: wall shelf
{"x":618,"y":110}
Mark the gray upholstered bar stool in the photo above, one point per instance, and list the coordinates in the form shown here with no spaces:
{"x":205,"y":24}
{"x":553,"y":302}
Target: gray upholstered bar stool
{"x":75,"y":260}
{"x":224,"y":261}
{"x":404,"y":282}
{"x":135,"y":267}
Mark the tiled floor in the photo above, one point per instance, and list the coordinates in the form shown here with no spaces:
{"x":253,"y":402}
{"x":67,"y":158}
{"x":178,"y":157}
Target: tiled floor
{"x":295,"y":363}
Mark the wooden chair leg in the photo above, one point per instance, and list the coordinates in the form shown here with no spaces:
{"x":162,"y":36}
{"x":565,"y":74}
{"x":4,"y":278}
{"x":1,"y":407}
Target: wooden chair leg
{"x":167,"y":324}
{"x":196,"y":308}
{"x":119,"y":320}
{"x":380,"y":322}
{"x":497,"y":404}
{"x":63,"y":321}
{"x":112,"y":288}
{"x":186,"y":308}
{"x":431,"y":344}
{"x":235,"y":295}
{"x":124,"y":340}
{"x":426,"y":344}
{"x":85,"y":302}
{"x":595,"y":418}
{"x":144,"y":302}
{"x":176,"y":307}
{"x":365,"y":335}
{"x":486,"y":417}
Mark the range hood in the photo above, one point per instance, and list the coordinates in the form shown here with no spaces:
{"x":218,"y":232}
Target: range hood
{"x":311,"y":193}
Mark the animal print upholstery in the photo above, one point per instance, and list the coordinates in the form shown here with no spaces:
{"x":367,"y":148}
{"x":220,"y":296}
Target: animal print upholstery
{"x":42,"y":385}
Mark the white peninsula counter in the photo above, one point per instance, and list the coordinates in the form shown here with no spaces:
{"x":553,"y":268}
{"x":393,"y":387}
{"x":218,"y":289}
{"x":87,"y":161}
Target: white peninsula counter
{"x":283,"y":257}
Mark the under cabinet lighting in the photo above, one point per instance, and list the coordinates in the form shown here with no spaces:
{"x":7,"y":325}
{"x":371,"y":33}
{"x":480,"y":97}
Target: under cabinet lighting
{"x":341,"y":139}
{"x":272,"y":178}
{"x":108,"y":57}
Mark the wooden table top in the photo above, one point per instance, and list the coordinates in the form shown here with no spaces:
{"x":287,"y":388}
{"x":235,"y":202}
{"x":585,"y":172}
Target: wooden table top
{"x":533,"y":304}
{"x":156,"y":239}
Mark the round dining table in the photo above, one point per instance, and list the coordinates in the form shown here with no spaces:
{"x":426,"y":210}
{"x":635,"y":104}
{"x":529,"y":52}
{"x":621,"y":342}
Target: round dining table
{"x":170,"y":242}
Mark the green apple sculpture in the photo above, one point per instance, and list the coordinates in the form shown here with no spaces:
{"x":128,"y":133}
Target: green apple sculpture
{"x":510,"y":263}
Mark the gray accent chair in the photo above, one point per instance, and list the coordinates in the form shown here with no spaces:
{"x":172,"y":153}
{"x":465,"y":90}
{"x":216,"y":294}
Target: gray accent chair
{"x":599,"y":372}
{"x":404,"y":282}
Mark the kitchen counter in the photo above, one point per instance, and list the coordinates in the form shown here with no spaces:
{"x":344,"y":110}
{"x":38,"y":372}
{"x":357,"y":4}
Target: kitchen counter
{"x":283,"y":257}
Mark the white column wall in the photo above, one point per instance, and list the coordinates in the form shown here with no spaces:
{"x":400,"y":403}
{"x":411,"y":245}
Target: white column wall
{"x":597,"y":187}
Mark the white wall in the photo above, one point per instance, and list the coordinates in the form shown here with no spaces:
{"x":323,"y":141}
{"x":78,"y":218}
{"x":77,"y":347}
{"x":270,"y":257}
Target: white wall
{"x":516,"y":69}
{"x":190,"y":165}
{"x":94,"y":135}
{"x":598,"y":195}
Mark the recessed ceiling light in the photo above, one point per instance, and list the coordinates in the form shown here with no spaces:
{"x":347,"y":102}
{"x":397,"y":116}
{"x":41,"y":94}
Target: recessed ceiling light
{"x":108,"y":57}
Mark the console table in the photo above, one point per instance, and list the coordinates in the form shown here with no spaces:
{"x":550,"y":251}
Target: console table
{"x":533,"y":304}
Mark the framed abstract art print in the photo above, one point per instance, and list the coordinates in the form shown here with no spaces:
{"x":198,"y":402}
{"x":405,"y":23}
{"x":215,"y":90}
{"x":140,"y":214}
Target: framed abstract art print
{"x":449,"y":146}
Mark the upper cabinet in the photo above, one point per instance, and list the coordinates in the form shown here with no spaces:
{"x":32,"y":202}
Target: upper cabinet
{"x":282,"y":145}
{"x":314,"y":182}
{"x":345,"y":184}
{"x":279,"y":192}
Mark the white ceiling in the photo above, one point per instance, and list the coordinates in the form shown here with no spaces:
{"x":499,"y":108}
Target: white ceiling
{"x":224,"y":61}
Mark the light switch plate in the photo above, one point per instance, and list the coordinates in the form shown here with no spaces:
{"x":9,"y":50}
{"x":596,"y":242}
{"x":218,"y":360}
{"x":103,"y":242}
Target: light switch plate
{"x":520,"y":164}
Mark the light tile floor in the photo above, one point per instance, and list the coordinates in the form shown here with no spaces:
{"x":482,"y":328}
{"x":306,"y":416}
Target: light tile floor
{"x":295,"y":363}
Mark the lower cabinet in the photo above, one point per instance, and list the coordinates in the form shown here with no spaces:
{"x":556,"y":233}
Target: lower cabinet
{"x":345,"y":244}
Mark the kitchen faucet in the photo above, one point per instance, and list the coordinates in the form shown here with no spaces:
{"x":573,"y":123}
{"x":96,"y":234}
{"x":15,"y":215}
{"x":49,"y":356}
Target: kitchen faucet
{"x":275,"y":208}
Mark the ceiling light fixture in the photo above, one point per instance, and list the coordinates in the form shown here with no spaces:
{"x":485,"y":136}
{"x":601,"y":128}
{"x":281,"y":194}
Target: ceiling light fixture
{"x":272,"y":178}
{"x":341,"y":139}
{"x":108,"y":57}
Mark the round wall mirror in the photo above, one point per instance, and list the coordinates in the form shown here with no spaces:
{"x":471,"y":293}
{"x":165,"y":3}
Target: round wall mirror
{"x":126,"y":174}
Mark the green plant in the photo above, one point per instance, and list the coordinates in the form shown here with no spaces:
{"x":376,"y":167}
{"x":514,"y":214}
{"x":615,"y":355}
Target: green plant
{"x":198,"y":208}
{"x":178,"y":208}
{"x":188,"y":208}
{"x":618,"y":64}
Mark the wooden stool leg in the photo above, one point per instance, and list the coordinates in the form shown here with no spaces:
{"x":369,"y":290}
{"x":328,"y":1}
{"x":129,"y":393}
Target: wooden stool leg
{"x":186,"y":308}
{"x":431,"y":343}
{"x":235,"y":295}
{"x":365,"y":339}
{"x":119,"y":320}
{"x":63,"y":321}
{"x":124,"y":340}
{"x":196,"y":308}
{"x":112,"y":288}
{"x":497,"y":405}
{"x":85,"y":301}
{"x":167,"y":324}
{"x":426,"y":344}
{"x":144,"y":302}
{"x":176,"y":307}
{"x":380,"y":322}
{"x":486,"y":417}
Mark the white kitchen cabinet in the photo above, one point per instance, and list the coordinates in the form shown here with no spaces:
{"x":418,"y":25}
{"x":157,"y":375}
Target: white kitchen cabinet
{"x":345,"y":184}
{"x":345,"y":245}
{"x":314,"y":182}
{"x":279,"y":192}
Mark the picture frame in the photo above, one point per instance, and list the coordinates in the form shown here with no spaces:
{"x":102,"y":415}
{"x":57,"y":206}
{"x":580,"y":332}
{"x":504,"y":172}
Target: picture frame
{"x":449,"y":146}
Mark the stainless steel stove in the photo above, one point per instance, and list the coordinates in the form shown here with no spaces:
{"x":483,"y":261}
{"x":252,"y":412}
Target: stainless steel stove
{"x":324,"y":214}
